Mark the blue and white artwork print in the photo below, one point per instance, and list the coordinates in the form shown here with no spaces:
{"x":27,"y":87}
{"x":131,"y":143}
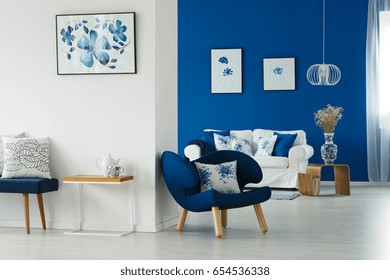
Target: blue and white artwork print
{"x":279,"y":73}
{"x":96,"y":44}
{"x":226,"y":71}
{"x":220,"y":177}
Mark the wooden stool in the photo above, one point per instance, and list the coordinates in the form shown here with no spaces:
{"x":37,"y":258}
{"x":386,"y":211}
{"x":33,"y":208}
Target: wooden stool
{"x":341,"y":179}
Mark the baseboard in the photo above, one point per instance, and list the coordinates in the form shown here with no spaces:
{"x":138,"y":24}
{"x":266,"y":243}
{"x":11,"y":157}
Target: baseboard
{"x":156,"y":228}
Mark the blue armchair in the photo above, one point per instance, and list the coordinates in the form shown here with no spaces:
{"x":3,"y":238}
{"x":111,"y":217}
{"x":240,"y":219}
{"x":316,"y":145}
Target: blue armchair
{"x":183,"y":182}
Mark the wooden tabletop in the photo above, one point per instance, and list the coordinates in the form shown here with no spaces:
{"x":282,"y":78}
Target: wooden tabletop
{"x":97,"y":179}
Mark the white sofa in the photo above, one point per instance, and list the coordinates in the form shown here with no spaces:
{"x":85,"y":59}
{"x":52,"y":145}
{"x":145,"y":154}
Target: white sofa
{"x":278,"y":172}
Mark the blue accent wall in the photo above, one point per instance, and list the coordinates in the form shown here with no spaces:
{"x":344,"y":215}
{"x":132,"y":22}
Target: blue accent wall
{"x":269,"y":28}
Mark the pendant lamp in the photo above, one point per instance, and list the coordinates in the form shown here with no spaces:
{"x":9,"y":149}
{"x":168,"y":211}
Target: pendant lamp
{"x":323,"y":74}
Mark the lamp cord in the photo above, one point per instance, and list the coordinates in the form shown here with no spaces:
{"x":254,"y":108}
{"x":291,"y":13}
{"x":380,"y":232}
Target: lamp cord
{"x":323,"y":31}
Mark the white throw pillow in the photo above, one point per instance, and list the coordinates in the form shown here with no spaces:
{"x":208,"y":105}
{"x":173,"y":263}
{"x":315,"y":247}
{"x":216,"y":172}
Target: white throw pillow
{"x":241,"y":145}
{"x":222,"y":142}
{"x":220,"y":177}
{"x":232,"y":143}
{"x":18,"y":135}
{"x":26,"y":158}
{"x":265,"y":145}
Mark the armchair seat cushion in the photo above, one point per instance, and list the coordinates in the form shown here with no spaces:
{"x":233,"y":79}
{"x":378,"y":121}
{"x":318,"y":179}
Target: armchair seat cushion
{"x":203,"y":201}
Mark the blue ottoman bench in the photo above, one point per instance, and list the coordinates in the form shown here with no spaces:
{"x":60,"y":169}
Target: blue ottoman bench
{"x":28,"y":186}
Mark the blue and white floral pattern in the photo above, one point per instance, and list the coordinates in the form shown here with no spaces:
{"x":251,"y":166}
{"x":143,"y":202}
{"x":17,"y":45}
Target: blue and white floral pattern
{"x":220,"y":177}
{"x":222,"y":142}
{"x":93,"y":42}
{"x":241,"y":145}
{"x":265,"y":145}
{"x":232,"y":143}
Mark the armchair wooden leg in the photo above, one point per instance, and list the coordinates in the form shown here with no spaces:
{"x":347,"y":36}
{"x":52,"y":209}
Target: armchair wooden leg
{"x":260,"y":218}
{"x":224,"y":217}
{"x":182,"y":219}
{"x":217,"y":222}
{"x":26,"y":212}
{"x":41,"y":210}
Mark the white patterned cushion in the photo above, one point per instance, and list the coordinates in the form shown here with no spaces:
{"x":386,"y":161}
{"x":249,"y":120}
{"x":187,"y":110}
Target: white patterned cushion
{"x":220,"y":177}
{"x":265,"y":145}
{"x":18,"y":135}
{"x":232,"y":143}
{"x":26,"y":158}
{"x":241,"y":145}
{"x":222,"y":142}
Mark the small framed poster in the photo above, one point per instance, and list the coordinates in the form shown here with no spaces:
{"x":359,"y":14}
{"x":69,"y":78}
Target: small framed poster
{"x":226,"y":71}
{"x":279,"y":73}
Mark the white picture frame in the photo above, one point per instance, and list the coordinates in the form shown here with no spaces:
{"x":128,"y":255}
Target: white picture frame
{"x":226,"y":70}
{"x":102,"y":43}
{"x":279,"y":73}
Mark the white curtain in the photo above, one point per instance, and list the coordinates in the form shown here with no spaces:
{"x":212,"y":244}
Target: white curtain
{"x":377,"y":133}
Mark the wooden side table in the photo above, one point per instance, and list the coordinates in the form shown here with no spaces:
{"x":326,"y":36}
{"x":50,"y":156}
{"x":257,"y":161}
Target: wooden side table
{"x":341,"y":178}
{"x":94,"y":179}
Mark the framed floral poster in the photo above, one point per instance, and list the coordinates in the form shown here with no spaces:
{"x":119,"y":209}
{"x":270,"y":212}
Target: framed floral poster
{"x":96,"y":43}
{"x":279,"y":73}
{"x":226,"y":72}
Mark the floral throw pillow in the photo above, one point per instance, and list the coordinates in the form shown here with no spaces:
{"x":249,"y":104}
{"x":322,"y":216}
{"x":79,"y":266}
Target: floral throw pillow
{"x":232,"y":143}
{"x":241,"y":145}
{"x":26,"y":158}
{"x":18,"y":135}
{"x":220,"y":177}
{"x":265,"y":145}
{"x":222,"y":142}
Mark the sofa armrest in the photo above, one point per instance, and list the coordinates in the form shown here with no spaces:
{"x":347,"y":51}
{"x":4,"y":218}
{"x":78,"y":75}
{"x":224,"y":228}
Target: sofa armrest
{"x":300,"y":153}
{"x":192,"y":152}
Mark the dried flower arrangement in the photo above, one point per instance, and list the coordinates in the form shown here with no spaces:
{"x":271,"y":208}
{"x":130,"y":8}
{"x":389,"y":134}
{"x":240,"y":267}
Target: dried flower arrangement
{"x":328,"y":117}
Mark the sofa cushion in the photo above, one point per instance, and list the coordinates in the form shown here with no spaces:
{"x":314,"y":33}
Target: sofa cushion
{"x":243,"y":134}
{"x":283,"y":144}
{"x":272,"y":162}
{"x":232,"y":143}
{"x":220,"y":177}
{"x":265,"y":145}
{"x":241,"y":145}
{"x":222,"y":142}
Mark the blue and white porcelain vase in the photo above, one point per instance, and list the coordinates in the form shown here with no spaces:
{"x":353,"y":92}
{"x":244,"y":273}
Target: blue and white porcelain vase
{"x":329,"y":149}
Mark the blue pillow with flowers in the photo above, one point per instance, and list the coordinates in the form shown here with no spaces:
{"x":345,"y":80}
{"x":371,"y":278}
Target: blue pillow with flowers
{"x":220,"y":177}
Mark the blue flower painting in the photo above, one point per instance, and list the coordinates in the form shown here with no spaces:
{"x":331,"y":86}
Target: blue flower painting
{"x":101,"y":43}
{"x":226,"y":71}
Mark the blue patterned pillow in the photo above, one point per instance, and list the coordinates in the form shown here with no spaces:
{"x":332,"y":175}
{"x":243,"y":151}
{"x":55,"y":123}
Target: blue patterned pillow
{"x":241,"y":145}
{"x":220,"y":177}
{"x":232,"y":143}
{"x":222,"y":142}
{"x":265,"y":145}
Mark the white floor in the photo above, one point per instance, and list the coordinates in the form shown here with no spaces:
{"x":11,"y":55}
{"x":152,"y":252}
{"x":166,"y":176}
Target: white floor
{"x":327,"y":227}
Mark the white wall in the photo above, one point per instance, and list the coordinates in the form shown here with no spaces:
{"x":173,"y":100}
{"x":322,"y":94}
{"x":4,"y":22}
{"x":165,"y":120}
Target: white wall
{"x":133,"y":117}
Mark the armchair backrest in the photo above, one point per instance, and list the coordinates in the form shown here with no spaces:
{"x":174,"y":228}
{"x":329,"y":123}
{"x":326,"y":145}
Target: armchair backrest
{"x":180,"y":177}
{"x":248,"y":170}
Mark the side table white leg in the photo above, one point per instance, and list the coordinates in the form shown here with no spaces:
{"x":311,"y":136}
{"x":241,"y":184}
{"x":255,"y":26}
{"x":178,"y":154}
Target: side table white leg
{"x":80,"y":212}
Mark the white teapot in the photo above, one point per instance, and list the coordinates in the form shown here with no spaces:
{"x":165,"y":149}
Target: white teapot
{"x":107,"y":161}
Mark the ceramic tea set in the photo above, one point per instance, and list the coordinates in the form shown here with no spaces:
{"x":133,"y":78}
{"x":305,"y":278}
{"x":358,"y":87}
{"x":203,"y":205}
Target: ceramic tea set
{"x":109,"y":166}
